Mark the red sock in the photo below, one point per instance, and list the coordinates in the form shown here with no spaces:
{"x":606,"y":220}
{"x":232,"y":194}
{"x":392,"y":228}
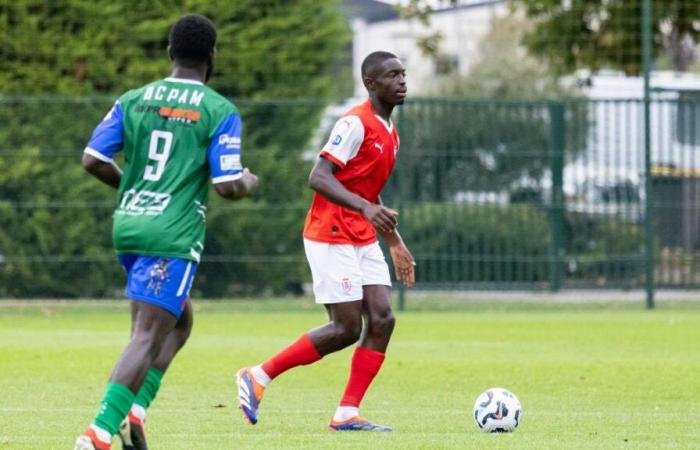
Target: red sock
{"x":365,"y":365}
{"x":300,"y":353}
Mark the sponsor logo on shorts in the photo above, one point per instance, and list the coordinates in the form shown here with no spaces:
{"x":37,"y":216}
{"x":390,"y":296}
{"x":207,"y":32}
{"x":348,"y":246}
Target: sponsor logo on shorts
{"x":346,"y":284}
{"x":159,"y":274}
{"x":337,"y":139}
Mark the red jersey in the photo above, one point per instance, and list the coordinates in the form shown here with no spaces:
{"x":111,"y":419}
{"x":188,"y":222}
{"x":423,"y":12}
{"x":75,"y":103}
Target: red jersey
{"x":364,"y":147}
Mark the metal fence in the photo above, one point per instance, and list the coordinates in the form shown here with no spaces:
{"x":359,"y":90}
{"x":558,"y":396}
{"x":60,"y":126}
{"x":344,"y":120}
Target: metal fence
{"x":491,"y":194}
{"x":549,"y":195}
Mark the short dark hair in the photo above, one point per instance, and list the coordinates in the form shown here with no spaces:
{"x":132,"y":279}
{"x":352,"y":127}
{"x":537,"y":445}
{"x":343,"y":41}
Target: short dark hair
{"x":192,"y":39}
{"x":373,"y":59}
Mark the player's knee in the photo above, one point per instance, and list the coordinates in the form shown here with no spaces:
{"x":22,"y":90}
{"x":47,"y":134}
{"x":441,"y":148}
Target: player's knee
{"x":347,"y":333}
{"x":382,"y":324}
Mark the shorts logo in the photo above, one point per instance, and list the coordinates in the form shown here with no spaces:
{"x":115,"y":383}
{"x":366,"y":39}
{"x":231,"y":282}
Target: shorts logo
{"x":346,"y":284}
{"x":337,"y":139}
{"x":159,"y":274}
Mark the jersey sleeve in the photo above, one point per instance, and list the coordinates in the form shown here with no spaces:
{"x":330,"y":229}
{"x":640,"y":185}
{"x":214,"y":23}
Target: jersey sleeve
{"x":225,"y":150}
{"x":345,"y":141}
{"x":108,"y":138}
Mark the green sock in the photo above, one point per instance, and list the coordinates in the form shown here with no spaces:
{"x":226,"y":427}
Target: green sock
{"x":115,"y":406}
{"x":149,"y":388}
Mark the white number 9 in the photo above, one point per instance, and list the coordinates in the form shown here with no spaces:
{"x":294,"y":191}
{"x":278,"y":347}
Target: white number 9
{"x":154,"y":173}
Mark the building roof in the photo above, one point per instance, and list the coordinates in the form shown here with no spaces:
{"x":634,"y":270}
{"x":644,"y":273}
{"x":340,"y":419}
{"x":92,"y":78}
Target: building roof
{"x":369,"y":10}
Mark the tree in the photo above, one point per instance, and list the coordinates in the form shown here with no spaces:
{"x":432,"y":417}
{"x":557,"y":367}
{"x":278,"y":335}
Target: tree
{"x":420,"y":10}
{"x":597,"y":34}
{"x":494,"y":132}
{"x":266,"y":50}
{"x":503,"y":69}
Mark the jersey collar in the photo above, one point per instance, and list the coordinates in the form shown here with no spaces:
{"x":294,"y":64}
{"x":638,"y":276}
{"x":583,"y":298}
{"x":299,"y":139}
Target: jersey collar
{"x":184,"y":80}
{"x":389,"y":125}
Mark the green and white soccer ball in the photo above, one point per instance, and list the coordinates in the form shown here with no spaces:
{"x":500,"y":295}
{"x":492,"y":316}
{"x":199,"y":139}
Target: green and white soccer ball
{"x":497,"y":410}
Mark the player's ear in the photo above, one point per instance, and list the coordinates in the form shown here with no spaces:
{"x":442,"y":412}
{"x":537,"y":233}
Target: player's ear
{"x":170,"y":54}
{"x":369,"y":83}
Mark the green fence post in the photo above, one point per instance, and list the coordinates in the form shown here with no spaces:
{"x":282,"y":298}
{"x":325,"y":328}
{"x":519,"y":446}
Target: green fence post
{"x":557,"y":139}
{"x":649,"y":206}
{"x":399,"y":205}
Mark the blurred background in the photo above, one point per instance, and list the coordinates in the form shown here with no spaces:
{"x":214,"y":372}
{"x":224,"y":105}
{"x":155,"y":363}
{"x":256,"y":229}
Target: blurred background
{"x":546,"y":144}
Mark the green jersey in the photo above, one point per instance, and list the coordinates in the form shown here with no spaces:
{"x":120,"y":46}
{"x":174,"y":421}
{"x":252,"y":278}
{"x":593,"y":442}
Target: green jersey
{"x":176,"y":134}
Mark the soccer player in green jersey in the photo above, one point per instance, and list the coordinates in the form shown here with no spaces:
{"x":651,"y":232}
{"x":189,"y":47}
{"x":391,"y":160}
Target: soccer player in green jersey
{"x":175,"y":133}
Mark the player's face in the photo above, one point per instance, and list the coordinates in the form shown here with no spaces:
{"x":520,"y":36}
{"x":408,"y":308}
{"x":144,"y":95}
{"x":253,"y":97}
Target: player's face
{"x":390,"y":82}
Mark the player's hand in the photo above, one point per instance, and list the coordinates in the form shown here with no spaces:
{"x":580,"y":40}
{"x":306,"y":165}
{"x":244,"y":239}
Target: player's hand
{"x":404,"y":264}
{"x":384,"y":219}
{"x":250,"y":180}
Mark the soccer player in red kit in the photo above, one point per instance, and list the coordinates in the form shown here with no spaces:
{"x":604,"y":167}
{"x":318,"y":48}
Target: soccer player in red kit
{"x":350,"y":275}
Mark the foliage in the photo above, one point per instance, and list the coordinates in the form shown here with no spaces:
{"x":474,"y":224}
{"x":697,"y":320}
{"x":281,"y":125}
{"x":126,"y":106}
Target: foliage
{"x":492,"y":243}
{"x":595,"y":34}
{"x":463,"y":243}
{"x":55,"y":220}
{"x":603,"y":249}
{"x":503,"y":143}
{"x":503,"y":69}
{"x":420,"y":11}
{"x":265,"y":48}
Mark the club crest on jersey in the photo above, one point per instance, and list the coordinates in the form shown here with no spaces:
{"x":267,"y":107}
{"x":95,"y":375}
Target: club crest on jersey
{"x":346,"y":284}
{"x":337,"y":139}
{"x":159,"y":274}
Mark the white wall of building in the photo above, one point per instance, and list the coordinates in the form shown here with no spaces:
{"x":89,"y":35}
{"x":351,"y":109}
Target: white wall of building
{"x":462,"y":29}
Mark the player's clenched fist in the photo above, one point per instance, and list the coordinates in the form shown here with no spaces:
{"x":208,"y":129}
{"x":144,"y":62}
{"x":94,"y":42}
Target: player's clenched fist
{"x":384,"y":219}
{"x":250,"y":180}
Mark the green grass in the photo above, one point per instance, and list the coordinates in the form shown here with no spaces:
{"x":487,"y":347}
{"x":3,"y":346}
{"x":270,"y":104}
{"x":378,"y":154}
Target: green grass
{"x":591,"y":376}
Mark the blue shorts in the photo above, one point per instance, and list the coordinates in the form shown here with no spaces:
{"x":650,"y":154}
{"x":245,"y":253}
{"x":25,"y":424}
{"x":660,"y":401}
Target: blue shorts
{"x":160,"y":281}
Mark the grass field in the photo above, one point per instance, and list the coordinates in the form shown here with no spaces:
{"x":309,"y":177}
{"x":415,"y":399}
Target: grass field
{"x":595,"y":376}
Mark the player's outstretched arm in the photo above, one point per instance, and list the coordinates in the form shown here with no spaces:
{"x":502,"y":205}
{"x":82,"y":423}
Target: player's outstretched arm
{"x":107,"y":172}
{"x":325,"y":183}
{"x":237,"y":189}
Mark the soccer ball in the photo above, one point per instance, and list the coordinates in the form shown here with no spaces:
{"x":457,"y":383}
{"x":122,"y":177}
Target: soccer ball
{"x":497,"y":411}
